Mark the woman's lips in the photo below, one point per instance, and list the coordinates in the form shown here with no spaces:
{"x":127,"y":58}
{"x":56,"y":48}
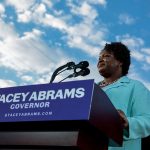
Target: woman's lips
{"x":101,"y":66}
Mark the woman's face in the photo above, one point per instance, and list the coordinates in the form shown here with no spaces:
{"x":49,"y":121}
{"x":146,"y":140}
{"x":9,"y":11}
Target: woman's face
{"x":107,"y":64}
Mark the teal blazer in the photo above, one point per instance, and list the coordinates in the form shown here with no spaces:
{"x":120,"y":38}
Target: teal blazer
{"x":133,"y":98}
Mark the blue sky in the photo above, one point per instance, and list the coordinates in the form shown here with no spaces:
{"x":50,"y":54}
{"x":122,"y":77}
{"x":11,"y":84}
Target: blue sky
{"x":38,"y":36}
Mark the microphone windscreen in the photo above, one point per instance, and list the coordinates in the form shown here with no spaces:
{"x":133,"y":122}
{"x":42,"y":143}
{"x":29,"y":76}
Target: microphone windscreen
{"x":83,"y":64}
{"x":86,"y":72}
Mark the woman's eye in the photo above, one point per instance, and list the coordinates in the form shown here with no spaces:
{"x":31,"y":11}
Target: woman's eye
{"x":107,"y":56}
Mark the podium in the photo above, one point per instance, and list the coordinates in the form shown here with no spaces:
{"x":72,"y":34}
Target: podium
{"x":74,"y":115}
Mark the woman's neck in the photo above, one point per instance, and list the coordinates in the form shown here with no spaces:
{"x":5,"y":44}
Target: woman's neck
{"x":112,"y":78}
{"x":109,"y":80}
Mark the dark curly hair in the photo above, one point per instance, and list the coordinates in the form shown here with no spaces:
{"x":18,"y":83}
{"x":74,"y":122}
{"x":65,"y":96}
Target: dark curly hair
{"x":121,"y":53}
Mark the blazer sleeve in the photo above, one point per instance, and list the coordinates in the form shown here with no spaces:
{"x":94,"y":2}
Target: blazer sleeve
{"x":139,"y":119}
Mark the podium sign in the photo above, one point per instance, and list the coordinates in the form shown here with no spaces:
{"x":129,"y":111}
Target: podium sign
{"x":75,"y":114}
{"x":44,"y":102}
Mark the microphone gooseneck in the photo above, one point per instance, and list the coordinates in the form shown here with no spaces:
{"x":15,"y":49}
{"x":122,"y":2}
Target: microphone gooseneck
{"x":68,"y":66}
{"x":80,"y":69}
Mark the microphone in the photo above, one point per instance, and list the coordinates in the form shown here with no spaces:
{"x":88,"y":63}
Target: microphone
{"x":68,"y":66}
{"x":82,"y":64}
{"x":82,"y":72}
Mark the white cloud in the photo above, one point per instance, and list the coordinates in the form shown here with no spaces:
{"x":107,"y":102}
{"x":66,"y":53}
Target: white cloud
{"x":29,"y":35}
{"x":137,"y":55}
{"x":21,"y":5}
{"x":84,"y":40}
{"x":54,"y":22}
{"x":27,"y":53}
{"x":41,"y":9}
{"x":101,"y":2}
{"x":24,"y":17}
{"x":2,"y":9}
{"x":27,"y":78}
{"x":131,"y":41}
{"x":7,"y":83}
{"x":38,"y":14}
{"x":126,"y":19}
{"x":146,"y":67}
{"x":146,"y":50}
{"x":29,"y":9}
{"x":148,"y":59}
{"x":7,"y":31}
{"x":78,"y":43}
{"x":89,"y":40}
{"x":48,"y":3}
{"x":84,"y":10}
{"x":38,"y":11}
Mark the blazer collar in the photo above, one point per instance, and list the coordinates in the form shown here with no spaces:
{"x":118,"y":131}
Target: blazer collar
{"x":119,"y":82}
